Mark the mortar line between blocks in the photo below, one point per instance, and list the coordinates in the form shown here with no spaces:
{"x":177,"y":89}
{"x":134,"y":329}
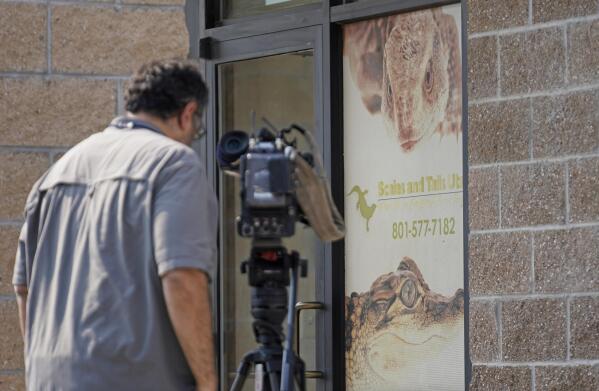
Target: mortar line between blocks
{"x":549,"y":160}
{"x":511,"y":364}
{"x":533,"y":27}
{"x":118,"y":5}
{"x":498,"y":308}
{"x":536,"y":94}
{"x":60,"y":76}
{"x":119,"y":97}
{"x":31,"y":149}
{"x":534,"y":296}
{"x":11,"y":223}
{"x":24,"y":1}
{"x":530,"y":12}
{"x":568,"y":330}
{"x":532,"y":262}
{"x":54,"y":154}
{"x":553,"y":227}
{"x":567,"y":190}
{"x":498,"y":66}
{"x":499,"y":198}
{"x":533,"y":377}
{"x":11,"y":372}
{"x":530,"y":131}
{"x":566,"y":57}
{"x":49,"y":37}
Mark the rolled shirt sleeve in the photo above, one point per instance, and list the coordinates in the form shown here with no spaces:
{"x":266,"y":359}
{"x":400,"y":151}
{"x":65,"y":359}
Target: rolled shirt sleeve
{"x":19,"y":276}
{"x":28,"y":237}
{"x":185,"y":216}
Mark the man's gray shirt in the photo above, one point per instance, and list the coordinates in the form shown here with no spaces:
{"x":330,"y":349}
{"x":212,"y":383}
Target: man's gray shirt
{"x":112,"y":216}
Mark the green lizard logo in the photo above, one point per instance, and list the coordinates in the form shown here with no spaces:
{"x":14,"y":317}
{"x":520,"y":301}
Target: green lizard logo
{"x":365,"y":210}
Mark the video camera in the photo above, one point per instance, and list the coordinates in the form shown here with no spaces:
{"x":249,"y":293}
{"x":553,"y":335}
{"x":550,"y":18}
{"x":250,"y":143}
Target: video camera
{"x":279,"y":185}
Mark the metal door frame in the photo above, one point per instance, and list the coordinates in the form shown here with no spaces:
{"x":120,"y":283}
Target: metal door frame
{"x":246,"y":48}
{"x":329,"y":18}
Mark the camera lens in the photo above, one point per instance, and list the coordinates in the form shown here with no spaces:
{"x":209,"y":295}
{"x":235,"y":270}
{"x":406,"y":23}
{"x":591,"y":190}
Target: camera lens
{"x":231,"y":146}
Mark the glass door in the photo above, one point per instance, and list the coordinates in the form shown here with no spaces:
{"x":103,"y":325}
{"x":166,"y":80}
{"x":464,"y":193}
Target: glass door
{"x":253,"y":78}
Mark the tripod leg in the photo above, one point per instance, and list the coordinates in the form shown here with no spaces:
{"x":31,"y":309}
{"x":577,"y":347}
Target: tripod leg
{"x":289,"y":356}
{"x":242,"y":373}
{"x":273,"y":377}
{"x":259,"y":378}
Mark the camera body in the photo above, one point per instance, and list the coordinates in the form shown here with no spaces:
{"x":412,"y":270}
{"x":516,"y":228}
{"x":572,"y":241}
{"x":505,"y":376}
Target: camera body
{"x":267,"y":169}
{"x":268,"y":203}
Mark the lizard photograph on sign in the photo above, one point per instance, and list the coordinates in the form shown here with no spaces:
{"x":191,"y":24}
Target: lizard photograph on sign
{"x":404,"y":249}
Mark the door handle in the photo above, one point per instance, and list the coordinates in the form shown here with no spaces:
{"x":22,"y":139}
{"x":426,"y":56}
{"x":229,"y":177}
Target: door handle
{"x":299,"y":307}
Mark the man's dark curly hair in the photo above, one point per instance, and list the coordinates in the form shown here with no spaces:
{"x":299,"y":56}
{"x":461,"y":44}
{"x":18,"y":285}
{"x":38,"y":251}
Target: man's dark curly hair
{"x":163,"y":88}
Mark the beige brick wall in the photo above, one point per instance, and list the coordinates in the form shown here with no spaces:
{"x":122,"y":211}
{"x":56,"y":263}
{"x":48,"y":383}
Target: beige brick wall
{"x":63,"y":65}
{"x":534,"y":156}
{"x":534,"y":194}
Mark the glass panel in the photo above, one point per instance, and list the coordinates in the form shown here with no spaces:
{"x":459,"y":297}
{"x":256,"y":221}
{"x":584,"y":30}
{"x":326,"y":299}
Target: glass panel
{"x":240,"y":8}
{"x":280,"y":88}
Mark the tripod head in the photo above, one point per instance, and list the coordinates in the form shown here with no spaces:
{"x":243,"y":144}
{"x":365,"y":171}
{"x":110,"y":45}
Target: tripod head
{"x":268,"y":269}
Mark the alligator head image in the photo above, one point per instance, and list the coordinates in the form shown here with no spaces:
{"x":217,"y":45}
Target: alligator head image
{"x":398,"y":326}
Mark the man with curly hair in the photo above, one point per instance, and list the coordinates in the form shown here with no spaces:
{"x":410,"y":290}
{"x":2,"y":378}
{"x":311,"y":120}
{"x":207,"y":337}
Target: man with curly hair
{"x":118,"y":247}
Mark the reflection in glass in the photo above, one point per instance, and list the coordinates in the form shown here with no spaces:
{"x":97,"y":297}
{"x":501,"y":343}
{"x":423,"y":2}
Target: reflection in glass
{"x":280,"y":88}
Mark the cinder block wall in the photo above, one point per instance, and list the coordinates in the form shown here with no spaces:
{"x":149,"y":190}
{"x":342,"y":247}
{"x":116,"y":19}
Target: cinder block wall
{"x":62,"y":69}
{"x":534,"y":194}
{"x":534,"y":155}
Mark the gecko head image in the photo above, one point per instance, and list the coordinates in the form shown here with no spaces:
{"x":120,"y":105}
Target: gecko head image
{"x":399,"y":327}
{"x":408,"y":68}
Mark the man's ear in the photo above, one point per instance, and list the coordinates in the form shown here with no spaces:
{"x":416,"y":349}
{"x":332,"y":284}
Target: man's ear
{"x":186,"y":115}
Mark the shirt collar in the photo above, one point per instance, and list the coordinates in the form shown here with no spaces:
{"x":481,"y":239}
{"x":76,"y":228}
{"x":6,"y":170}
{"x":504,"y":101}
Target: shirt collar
{"x":133,"y":123}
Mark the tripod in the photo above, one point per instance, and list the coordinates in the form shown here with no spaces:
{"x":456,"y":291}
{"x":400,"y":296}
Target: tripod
{"x":268,"y":271}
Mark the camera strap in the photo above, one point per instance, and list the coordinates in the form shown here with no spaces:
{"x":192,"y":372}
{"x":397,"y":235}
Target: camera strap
{"x":314,"y":196}
{"x":133,"y":123}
